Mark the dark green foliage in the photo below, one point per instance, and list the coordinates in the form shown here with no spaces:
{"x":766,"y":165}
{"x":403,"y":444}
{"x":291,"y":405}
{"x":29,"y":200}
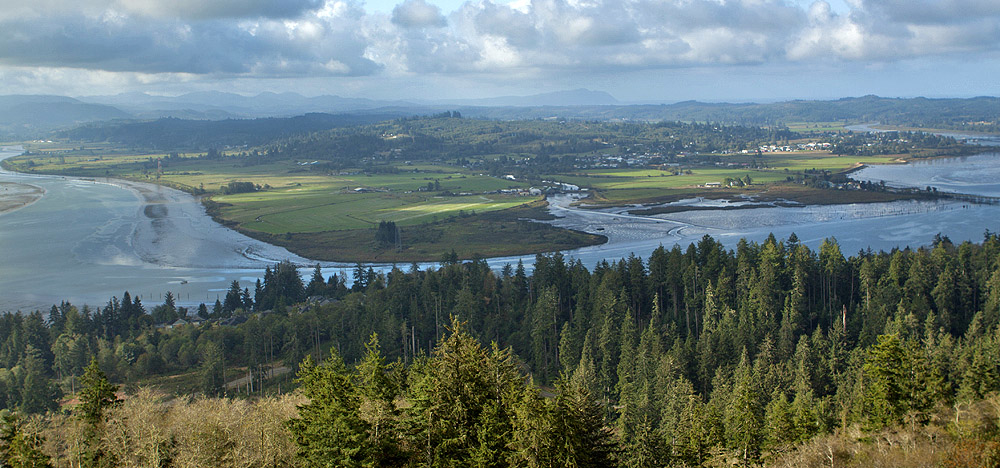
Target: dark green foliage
{"x":463,"y":398}
{"x":37,"y":393}
{"x":581,"y":438}
{"x":387,"y":233}
{"x":238,"y":187}
{"x":698,"y":355}
{"x":234,"y":299}
{"x":200,"y":134}
{"x":282,"y":286}
{"x":329,"y":431}
{"x":96,"y":394}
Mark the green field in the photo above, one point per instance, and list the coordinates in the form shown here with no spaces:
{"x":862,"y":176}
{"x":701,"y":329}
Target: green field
{"x":315,"y":209}
{"x":803,"y":127}
{"x":631,"y":186}
{"x":822,"y":160}
{"x":649,"y":179}
{"x":296,"y":199}
{"x":332,"y":215}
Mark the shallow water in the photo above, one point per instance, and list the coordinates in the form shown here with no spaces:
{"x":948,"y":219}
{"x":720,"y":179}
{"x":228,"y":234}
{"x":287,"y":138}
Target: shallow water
{"x":85,"y":241}
{"x":976,"y":175}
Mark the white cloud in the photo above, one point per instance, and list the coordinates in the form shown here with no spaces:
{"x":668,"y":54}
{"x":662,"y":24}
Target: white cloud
{"x":208,"y":9}
{"x":305,"y":38}
{"x":418,"y":14}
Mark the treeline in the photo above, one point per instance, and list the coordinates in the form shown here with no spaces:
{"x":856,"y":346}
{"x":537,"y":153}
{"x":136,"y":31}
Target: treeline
{"x":451,"y":138}
{"x":173,"y":134}
{"x":692,"y":355}
{"x":978,"y":113}
{"x":876,"y":143}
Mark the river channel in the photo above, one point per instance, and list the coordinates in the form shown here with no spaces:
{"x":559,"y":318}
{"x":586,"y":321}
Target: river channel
{"x":87,"y":240}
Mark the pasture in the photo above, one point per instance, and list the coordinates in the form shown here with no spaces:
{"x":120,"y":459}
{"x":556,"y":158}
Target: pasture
{"x":293,"y":197}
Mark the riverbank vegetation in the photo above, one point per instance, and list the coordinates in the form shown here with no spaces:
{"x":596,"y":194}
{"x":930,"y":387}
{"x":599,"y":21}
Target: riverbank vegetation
{"x":449,"y":182}
{"x":771,"y":353}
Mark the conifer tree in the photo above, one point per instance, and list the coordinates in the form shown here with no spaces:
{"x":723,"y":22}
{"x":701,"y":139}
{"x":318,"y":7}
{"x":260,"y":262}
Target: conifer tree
{"x":378,"y":407}
{"x":329,"y":431}
{"x":96,"y":394}
{"x":38,"y":393}
{"x":743,"y":418}
{"x":886,"y":384}
{"x":581,"y":438}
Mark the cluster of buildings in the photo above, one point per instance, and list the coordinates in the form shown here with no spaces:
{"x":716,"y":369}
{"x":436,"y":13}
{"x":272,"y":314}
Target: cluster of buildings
{"x":812,"y":146}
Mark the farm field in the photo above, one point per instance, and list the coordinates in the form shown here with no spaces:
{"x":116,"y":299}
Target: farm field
{"x":332,"y":212}
{"x":315,"y":209}
{"x":296,"y":199}
{"x":643,"y":186}
{"x":332,"y":215}
{"x":816,"y":126}
{"x":822,"y":160}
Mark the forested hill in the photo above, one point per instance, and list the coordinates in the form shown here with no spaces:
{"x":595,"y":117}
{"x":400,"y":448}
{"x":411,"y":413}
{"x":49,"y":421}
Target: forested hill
{"x":451,"y":136}
{"x":696,"y":355}
{"x":32,"y":116}
{"x":178,"y":134}
{"x":973,"y":114}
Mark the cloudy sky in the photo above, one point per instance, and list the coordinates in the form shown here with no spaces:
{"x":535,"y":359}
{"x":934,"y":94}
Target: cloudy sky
{"x":637,"y":50}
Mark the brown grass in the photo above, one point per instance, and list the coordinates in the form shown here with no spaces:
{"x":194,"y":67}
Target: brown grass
{"x":960,"y":436}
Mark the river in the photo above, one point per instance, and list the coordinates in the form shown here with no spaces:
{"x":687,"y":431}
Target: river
{"x":87,"y":240}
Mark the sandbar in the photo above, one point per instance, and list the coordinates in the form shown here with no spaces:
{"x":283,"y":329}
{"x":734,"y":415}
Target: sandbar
{"x":15,"y":196}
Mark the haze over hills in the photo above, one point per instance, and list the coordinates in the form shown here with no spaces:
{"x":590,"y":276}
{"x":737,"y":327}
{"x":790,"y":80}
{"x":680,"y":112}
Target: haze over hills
{"x":37,"y":114}
{"x":218,"y":105}
{"x":231,"y":105}
{"x":576,"y":97}
{"x":28,"y":116}
{"x":31,"y":116}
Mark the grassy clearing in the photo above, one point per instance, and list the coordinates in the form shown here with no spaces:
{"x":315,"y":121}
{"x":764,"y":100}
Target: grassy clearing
{"x":823,"y":160}
{"x":492,"y":234}
{"x":279,"y":212}
{"x":762,"y":193}
{"x":651,"y":186}
{"x":646,"y":186}
{"x":653,"y":179}
{"x":331,"y":214}
{"x":804,"y":127}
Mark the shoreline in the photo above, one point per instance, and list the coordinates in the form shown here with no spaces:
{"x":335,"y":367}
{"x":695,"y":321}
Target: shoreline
{"x":14,"y":196}
{"x":170,"y":228}
{"x":168,"y":221}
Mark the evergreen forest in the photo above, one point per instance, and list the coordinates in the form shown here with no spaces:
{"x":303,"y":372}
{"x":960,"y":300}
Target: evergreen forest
{"x":696,"y":356}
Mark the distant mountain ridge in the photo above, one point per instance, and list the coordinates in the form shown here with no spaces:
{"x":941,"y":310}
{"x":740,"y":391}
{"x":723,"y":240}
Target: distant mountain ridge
{"x":576,"y":97}
{"x":29,"y":116}
{"x":35,"y":115}
{"x":269,"y":104}
{"x":216,"y":105}
{"x":198,"y":135}
{"x":921,"y":112}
